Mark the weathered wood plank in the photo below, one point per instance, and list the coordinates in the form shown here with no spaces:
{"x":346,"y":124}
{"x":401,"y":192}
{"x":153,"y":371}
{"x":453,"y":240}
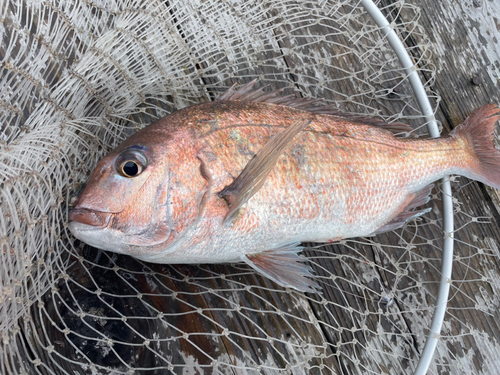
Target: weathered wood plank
{"x":464,"y":39}
{"x":121,"y":313}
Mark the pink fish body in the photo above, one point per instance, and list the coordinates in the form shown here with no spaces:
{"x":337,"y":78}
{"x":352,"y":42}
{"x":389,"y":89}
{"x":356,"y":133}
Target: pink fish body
{"x":251,"y":175}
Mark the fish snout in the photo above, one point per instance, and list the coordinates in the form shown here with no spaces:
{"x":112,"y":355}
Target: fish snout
{"x":89,"y":217}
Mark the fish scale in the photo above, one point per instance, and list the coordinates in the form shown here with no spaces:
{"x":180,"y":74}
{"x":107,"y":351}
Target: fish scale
{"x":250,"y":176}
{"x":357,"y":179}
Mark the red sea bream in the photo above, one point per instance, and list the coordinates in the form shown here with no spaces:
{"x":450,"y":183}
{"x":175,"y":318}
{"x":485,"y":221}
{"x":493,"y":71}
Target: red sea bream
{"x":250,"y":176}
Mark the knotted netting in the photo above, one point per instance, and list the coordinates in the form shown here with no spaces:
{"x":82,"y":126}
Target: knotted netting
{"x":79,"y":77}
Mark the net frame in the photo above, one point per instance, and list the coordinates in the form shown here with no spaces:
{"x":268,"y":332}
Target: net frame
{"x":448,"y":225}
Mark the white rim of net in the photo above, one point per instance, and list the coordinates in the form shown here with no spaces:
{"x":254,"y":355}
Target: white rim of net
{"x":447,"y":258}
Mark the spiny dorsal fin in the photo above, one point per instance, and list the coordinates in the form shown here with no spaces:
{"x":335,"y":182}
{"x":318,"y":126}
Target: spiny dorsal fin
{"x":397,"y":128}
{"x":248,"y":93}
{"x":285,"y":267}
{"x":258,"y":168}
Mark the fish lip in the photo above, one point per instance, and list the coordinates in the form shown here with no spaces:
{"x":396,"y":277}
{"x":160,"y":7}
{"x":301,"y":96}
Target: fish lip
{"x":100,"y":238}
{"x":76,"y":228}
{"x":89,"y":219}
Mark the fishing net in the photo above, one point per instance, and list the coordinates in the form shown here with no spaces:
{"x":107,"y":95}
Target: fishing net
{"x":78,"y":77}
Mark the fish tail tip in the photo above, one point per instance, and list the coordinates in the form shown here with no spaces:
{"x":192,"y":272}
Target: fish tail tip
{"x":479,"y":130}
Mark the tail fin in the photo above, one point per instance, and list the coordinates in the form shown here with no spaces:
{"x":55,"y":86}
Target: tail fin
{"x":479,"y":130}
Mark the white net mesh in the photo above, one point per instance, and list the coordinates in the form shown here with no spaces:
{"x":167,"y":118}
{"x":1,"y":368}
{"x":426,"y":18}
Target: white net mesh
{"x":79,"y":77}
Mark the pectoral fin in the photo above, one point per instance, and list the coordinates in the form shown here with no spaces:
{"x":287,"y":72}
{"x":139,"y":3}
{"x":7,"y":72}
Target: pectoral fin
{"x":284,"y":267}
{"x":258,"y":168}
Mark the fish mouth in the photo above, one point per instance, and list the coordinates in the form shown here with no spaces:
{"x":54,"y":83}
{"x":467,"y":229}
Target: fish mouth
{"x":91,"y":219}
{"x":91,"y":227}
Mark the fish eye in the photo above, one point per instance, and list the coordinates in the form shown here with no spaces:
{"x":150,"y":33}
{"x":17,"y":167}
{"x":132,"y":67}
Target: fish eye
{"x":131,"y":163}
{"x":130,"y":169}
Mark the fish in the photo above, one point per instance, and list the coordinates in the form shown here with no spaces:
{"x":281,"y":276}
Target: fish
{"x":250,"y":176}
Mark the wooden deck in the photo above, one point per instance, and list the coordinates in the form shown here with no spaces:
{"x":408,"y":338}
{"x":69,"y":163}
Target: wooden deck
{"x":184,"y":302}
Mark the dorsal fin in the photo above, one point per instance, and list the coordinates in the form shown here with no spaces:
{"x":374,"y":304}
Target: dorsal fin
{"x":248,"y":93}
{"x":258,"y":168}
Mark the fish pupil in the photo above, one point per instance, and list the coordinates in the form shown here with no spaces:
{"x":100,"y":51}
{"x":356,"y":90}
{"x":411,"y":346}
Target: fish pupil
{"x":130,"y":169}
{"x":131,"y":163}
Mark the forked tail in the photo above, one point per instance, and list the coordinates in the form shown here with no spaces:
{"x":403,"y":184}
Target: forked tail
{"x":479,"y":131}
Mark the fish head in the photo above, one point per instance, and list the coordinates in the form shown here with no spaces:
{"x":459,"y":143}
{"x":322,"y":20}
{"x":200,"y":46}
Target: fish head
{"x":143,"y":195}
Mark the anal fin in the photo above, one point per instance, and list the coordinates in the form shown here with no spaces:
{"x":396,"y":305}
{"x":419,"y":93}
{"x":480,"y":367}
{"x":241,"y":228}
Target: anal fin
{"x":421,"y":197}
{"x":284,"y":267}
